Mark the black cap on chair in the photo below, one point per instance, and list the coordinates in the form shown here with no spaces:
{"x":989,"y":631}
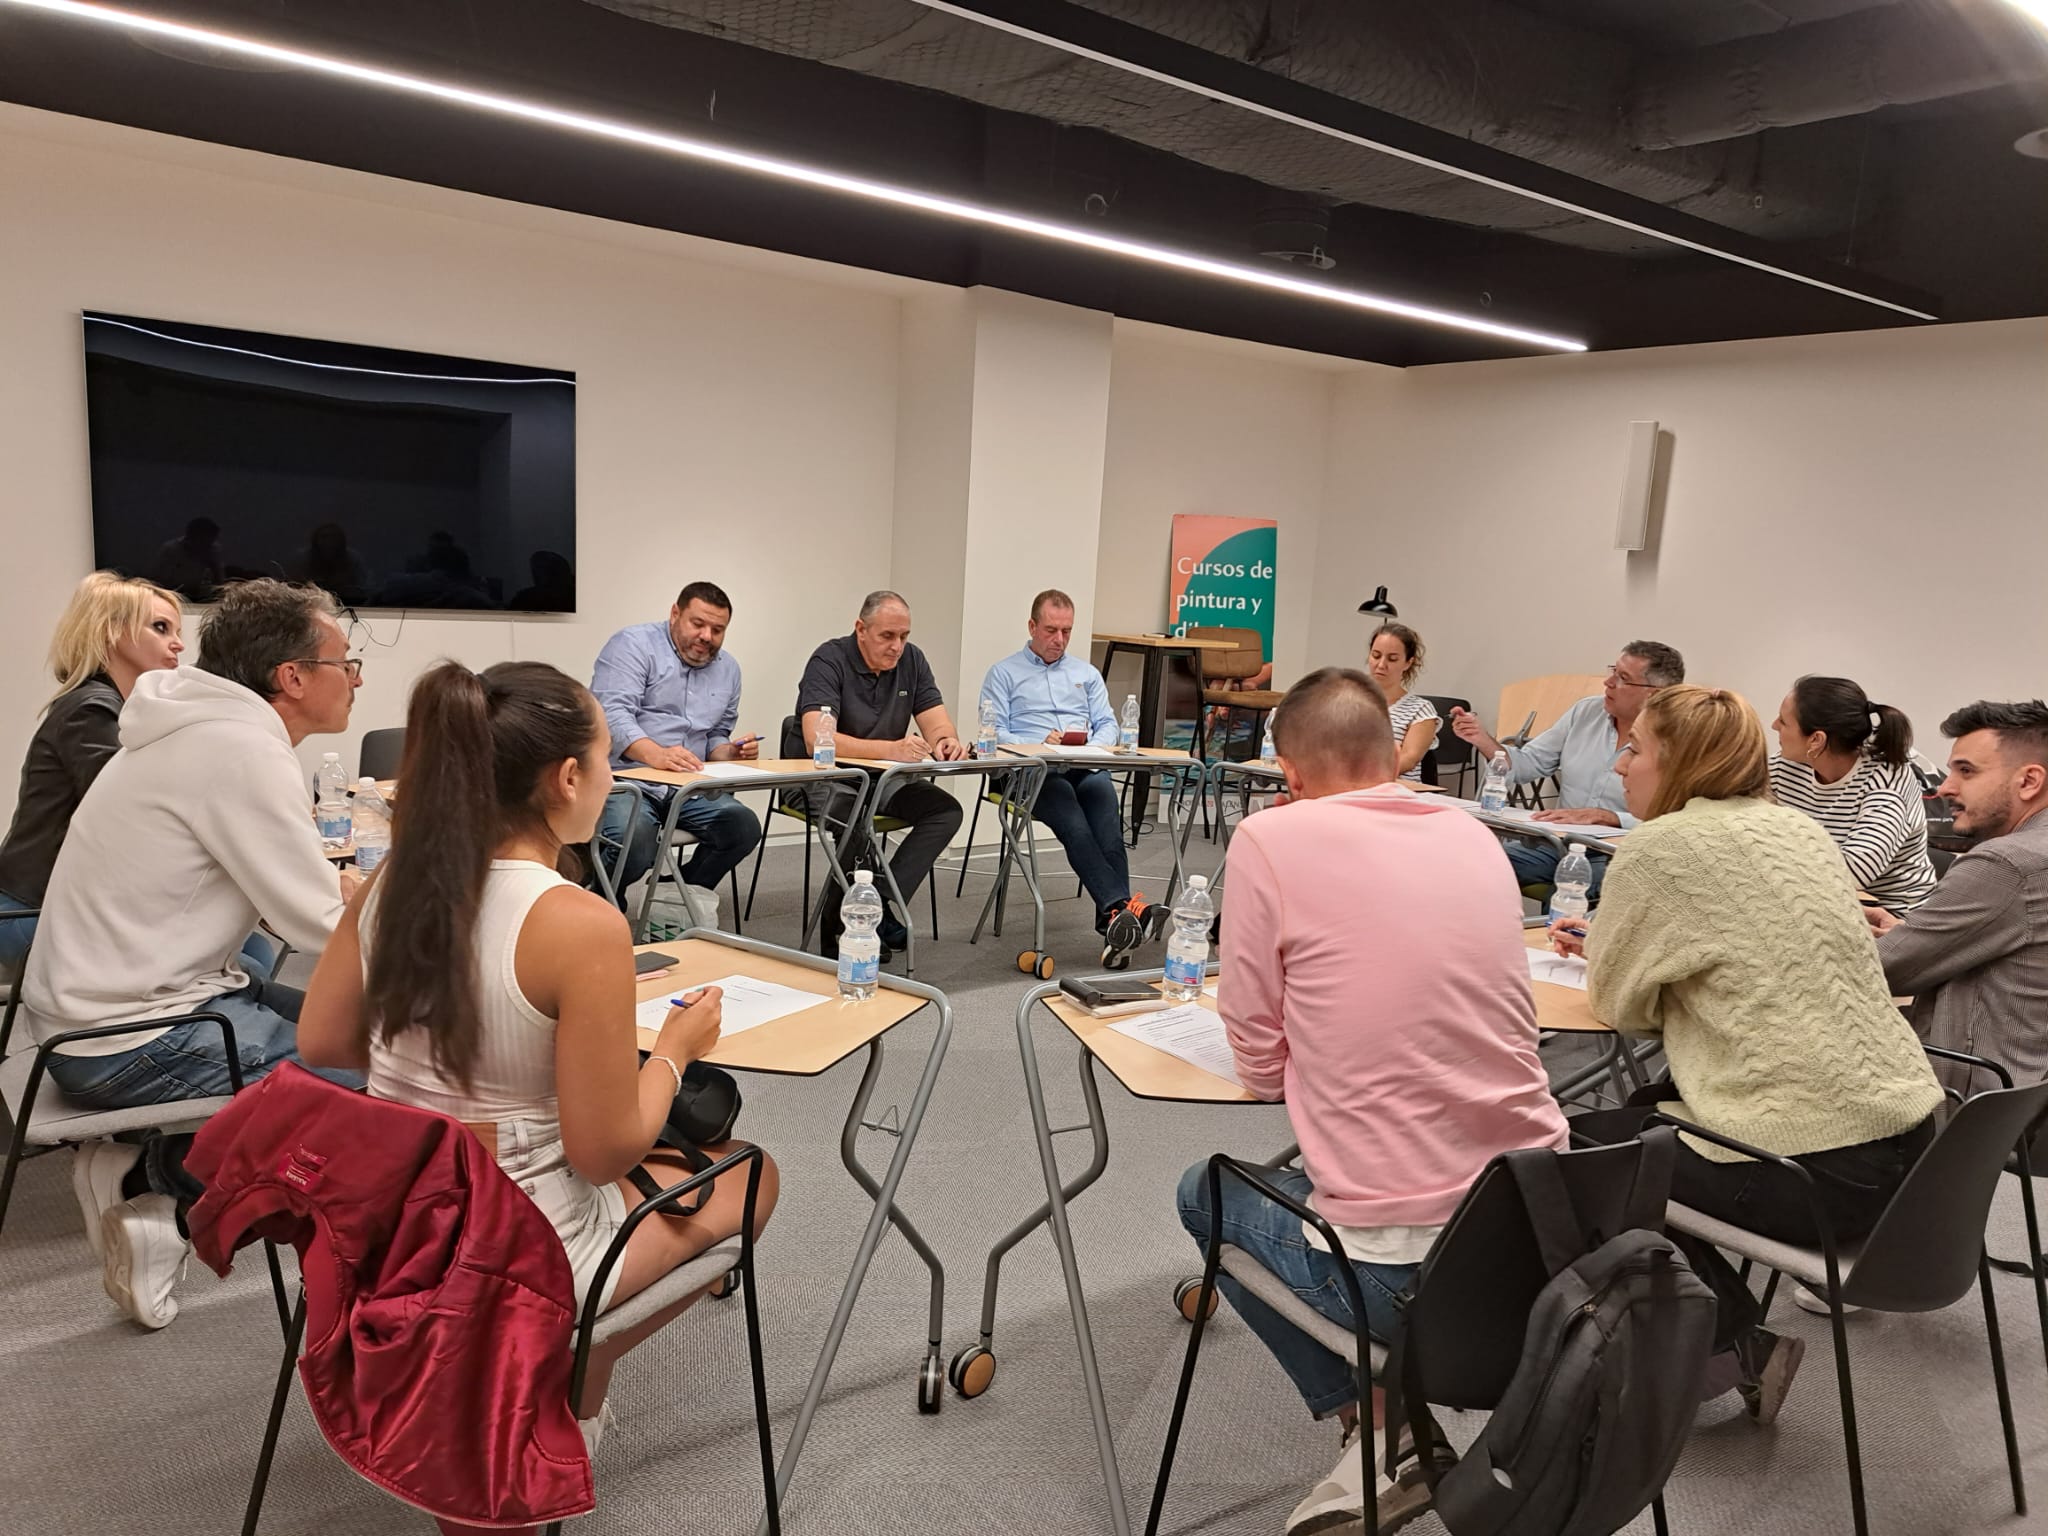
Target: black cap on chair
{"x":1378,"y":604}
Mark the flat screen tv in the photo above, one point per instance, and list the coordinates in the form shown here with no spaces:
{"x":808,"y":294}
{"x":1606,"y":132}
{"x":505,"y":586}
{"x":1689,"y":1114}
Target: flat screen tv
{"x":393,"y":479}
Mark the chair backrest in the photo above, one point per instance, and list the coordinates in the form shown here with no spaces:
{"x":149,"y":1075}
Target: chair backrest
{"x":380,"y":753}
{"x":793,"y":737}
{"x":1450,"y":750}
{"x":1545,"y":697}
{"x":1229,"y":666}
{"x":1922,"y":1255}
{"x":1471,"y":1308}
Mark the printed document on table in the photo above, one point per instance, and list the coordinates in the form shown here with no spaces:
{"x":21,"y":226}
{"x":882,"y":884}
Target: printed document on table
{"x":748,"y":1004}
{"x":1564,"y":829}
{"x":1055,"y":749}
{"x":1558,"y":970}
{"x":1191,"y":1032}
{"x":724,"y":770}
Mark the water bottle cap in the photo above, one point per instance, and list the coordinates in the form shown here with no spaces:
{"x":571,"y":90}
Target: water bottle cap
{"x":330,"y":757}
{"x":863,"y":877}
{"x":366,"y":782}
{"x":1198,"y":882}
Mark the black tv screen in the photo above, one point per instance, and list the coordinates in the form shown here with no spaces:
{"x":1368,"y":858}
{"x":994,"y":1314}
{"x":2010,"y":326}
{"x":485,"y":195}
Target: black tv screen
{"x":393,"y":479}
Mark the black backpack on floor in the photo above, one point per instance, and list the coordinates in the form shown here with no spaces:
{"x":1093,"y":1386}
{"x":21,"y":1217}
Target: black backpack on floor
{"x":1612,"y":1363}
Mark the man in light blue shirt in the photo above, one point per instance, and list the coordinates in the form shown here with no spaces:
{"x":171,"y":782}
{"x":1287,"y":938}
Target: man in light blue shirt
{"x":671,"y":696}
{"x":1581,"y":750}
{"x":1043,"y":694}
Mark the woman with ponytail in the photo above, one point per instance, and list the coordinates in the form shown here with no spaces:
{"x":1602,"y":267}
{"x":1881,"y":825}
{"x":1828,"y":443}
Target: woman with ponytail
{"x":1842,"y":760}
{"x":470,"y":978}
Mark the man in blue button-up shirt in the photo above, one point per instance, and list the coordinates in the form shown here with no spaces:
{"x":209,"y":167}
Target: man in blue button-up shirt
{"x":671,"y":696}
{"x":1040,"y":695}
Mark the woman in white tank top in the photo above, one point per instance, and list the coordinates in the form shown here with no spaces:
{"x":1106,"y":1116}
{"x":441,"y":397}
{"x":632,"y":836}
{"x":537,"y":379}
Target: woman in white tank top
{"x":532,"y":1043}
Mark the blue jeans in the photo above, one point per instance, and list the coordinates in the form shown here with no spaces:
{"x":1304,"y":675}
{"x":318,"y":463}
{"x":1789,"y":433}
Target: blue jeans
{"x":1272,"y":1234}
{"x":726,"y":833}
{"x":188,"y":1061}
{"x":1081,"y":808}
{"x":1536,"y":863}
{"x":259,"y":955}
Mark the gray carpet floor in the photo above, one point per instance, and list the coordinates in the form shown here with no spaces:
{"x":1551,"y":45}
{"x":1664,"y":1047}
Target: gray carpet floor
{"x":115,"y":1432}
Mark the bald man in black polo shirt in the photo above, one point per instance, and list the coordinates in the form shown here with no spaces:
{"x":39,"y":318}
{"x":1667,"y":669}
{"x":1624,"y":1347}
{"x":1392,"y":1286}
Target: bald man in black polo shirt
{"x":878,"y":686}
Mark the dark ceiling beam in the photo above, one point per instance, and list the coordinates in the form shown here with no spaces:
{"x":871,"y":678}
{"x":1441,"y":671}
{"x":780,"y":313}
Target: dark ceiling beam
{"x":1122,"y":45}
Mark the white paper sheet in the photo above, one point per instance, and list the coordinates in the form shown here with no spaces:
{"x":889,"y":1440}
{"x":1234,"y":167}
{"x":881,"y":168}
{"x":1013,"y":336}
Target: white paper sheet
{"x":748,"y":1004}
{"x":726,"y":770}
{"x":1055,"y":749}
{"x":1569,"y":831}
{"x":1558,"y":970}
{"x":1191,"y":1032}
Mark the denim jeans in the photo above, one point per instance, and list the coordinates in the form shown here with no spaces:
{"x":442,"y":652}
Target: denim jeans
{"x":188,"y":1060}
{"x":1272,"y":1234}
{"x":726,"y":833}
{"x":1536,"y":863}
{"x":1081,"y":808}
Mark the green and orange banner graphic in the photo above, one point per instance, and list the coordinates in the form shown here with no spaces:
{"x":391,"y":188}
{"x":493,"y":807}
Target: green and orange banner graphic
{"x":1222,"y":574}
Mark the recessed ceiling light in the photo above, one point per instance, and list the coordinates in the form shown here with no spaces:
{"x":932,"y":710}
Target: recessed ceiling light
{"x":2035,"y":143}
{"x":794,"y":172}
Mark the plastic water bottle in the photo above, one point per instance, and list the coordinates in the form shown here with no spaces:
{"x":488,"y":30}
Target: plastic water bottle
{"x":330,"y":811}
{"x":860,"y":947}
{"x":1187,"y":952}
{"x":824,"y":749}
{"x":985,"y":737}
{"x":1493,"y":794}
{"x":1268,"y":753}
{"x":372,"y":826}
{"x":1127,"y":732}
{"x":1572,"y":885}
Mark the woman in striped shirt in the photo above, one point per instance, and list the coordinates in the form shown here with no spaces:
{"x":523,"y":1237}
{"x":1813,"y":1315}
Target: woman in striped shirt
{"x":1843,"y":763}
{"x":1393,"y":660}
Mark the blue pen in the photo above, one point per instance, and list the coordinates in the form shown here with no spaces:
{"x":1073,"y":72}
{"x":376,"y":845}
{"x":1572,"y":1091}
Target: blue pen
{"x":681,"y":1002}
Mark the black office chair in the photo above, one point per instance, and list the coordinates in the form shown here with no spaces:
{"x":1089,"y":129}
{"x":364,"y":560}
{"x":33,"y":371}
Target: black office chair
{"x":381,"y":753}
{"x":1451,"y":752}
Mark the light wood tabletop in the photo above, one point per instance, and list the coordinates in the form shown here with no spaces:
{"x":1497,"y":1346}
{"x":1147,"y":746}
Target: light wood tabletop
{"x":1144,"y":1070}
{"x":1165,"y":642}
{"x":1564,"y":1009}
{"x":1099,"y":754}
{"x":764,"y":766}
{"x":799,"y":1044}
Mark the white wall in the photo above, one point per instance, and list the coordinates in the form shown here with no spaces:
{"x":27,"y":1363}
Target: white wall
{"x":1869,"y":504}
{"x":734,"y":424}
{"x":1198,"y":425}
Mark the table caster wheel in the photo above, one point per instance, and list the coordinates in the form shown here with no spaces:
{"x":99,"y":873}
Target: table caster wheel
{"x":1188,"y":1295}
{"x":972,"y":1370}
{"x":1033,"y":962}
{"x":729,"y":1286}
{"x":931,"y":1385}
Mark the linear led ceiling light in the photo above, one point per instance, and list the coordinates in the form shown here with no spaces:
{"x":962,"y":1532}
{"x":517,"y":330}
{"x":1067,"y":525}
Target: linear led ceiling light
{"x":793,"y":172}
{"x":968,"y":12}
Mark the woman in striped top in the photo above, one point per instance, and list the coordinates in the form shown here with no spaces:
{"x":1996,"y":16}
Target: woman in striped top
{"x":1843,"y":763}
{"x":1395,"y":658}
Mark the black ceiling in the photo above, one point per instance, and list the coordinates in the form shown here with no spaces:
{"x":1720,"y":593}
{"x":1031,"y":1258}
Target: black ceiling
{"x":1927,"y":203}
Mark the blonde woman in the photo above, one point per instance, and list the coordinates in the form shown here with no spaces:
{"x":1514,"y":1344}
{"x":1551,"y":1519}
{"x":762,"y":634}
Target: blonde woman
{"x":1394,"y":659}
{"x":1730,"y":928}
{"x":114,"y":629}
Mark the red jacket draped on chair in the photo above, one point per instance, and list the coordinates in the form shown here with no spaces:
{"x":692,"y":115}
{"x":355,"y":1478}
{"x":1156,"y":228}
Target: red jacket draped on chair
{"x":439,"y":1303}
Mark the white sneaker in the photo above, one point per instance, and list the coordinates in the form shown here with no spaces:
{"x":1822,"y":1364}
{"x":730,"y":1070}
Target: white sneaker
{"x":593,"y":1427}
{"x":1336,"y":1505}
{"x":143,"y":1257}
{"x":1808,"y":1301}
{"x":97,"y":1169}
{"x":703,"y":905}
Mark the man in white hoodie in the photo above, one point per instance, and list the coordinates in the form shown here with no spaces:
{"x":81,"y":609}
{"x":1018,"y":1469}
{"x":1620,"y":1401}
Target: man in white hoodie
{"x":196,"y":830}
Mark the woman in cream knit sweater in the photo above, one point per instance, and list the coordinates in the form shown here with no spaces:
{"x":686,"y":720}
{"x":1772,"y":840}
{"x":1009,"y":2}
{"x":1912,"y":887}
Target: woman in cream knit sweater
{"x":1729,"y":926}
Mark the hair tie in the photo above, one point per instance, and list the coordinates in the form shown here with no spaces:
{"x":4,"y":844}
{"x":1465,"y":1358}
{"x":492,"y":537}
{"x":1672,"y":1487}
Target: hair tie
{"x":1876,"y":718}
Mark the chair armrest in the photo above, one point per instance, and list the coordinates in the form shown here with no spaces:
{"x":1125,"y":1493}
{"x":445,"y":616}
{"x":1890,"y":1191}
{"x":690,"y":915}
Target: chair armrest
{"x":1808,"y":1182}
{"x":2004,"y":1077}
{"x":652,"y":1205}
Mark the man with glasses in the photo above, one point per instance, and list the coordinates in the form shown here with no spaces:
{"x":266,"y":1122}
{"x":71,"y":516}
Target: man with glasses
{"x":1580,"y":750}
{"x":200,"y":827}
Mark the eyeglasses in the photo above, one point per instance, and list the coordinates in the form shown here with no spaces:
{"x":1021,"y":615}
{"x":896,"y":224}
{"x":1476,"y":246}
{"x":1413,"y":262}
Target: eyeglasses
{"x":1614,"y":675}
{"x":353,"y":665}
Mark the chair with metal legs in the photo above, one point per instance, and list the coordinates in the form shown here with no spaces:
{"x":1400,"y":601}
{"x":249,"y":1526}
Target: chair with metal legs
{"x":732,"y":1257}
{"x":1464,"y":1327}
{"x":1921,"y":1256}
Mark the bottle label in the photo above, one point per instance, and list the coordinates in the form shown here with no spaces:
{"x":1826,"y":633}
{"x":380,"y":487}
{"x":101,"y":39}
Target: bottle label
{"x":368,"y":858}
{"x":1184,"y":970}
{"x":859,"y":972}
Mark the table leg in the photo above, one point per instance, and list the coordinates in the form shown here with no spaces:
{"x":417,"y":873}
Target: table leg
{"x":1063,"y":1239}
{"x":834,"y":847}
{"x":1148,"y":728}
{"x":664,"y":853}
{"x":885,"y":1212}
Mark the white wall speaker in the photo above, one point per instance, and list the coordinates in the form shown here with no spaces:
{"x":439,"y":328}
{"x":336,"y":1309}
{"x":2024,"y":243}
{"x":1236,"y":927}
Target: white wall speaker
{"x":1632,"y":527}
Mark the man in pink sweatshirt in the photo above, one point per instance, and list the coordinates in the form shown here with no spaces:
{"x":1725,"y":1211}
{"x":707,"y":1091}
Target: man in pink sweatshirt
{"x":1374,"y":976}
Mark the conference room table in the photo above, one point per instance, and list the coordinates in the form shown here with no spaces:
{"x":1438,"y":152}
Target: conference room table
{"x":809,"y":1043}
{"x":734,"y":777}
{"x":1144,"y":1072}
{"x":1254,"y":777}
{"x":1558,"y":835}
{"x":1019,"y":778}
